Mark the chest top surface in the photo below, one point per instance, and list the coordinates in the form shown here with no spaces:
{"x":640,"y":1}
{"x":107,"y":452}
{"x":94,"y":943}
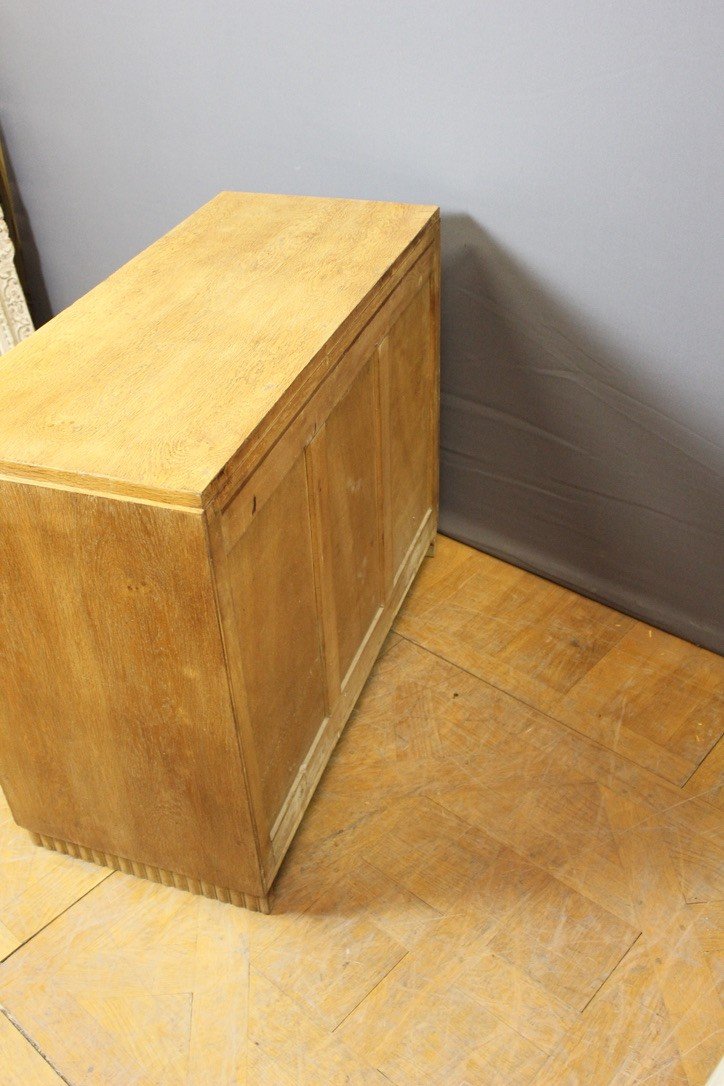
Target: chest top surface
{"x":151,"y":383}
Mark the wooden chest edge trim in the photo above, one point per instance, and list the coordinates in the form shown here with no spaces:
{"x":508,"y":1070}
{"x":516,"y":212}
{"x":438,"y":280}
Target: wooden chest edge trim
{"x":97,"y":487}
{"x":152,"y":874}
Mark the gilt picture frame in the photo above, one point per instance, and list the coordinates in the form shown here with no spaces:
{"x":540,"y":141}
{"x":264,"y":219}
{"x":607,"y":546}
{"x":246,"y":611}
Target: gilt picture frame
{"x":15,"y":321}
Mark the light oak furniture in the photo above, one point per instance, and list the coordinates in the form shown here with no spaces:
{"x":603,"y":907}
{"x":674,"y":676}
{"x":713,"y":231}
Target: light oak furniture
{"x":218,"y":477}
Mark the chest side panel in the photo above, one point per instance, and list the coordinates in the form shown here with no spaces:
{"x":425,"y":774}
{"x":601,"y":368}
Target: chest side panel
{"x":410,"y":377}
{"x":315,"y":552}
{"x":351,"y":463}
{"x":272,"y":589}
{"x":116,"y":730}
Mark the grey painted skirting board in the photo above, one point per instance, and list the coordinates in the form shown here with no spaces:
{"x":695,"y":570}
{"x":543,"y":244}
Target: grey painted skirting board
{"x":604,"y":592}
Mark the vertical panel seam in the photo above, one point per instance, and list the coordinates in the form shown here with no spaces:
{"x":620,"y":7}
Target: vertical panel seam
{"x":214,"y":573}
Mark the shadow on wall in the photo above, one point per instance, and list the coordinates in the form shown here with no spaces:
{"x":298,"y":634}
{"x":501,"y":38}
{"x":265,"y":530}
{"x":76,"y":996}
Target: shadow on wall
{"x":557,"y":457}
{"x":28,"y":258}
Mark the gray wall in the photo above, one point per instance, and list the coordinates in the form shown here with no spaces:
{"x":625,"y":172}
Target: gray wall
{"x":575,"y":149}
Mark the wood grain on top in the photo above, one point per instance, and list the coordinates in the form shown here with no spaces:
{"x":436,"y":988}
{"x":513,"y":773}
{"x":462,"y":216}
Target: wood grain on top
{"x":198,"y":348}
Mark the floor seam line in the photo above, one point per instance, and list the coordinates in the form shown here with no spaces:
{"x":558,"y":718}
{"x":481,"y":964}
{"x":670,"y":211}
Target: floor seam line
{"x":373,"y":989}
{"x":33,"y":1044}
{"x":548,"y":716}
{"x":696,"y":769}
{"x":521,"y":856}
{"x":56,"y":917}
{"x":610,"y":973}
{"x":404,"y":890}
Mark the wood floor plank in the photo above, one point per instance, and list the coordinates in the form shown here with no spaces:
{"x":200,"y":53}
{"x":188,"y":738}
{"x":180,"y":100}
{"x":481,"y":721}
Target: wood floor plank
{"x":564,"y":942}
{"x":431,"y":853}
{"x":8,"y":942}
{"x":263,"y":1071}
{"x":556,"y":824}
{"x":707,"y":919}
{"x":303,"y":1051}
{"x":471,"y":717}
{"x":616,"y":1041}
{"x":696,"y":845}
{"x":651,"y":697}
{"x":708,"y":780}
{"x":447,"y":1036}
{"x":681,"y":966}
{"x":220,"y":987}
{"x":20,"y":1064}
{"x":35,"y":884}
{"x":515,"y":630}
{"x":653,"y":700}
{"x":156,"y":977}
{"x":511,"y":995}
{"x":453,"y":973}
{"x":432,"y":1019}
{"x":345,"y":956}
{"x":633,"y":980}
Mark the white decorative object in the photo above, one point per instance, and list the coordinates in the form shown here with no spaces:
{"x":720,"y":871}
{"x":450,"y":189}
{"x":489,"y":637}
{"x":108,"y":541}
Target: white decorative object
{"x":15,"y":322}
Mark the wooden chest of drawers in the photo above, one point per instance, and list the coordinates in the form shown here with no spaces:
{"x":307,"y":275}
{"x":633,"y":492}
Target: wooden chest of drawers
{"x":218,"y":477}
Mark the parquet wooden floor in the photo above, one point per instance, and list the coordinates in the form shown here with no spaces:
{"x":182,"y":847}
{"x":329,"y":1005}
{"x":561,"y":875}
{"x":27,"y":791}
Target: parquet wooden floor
{"x":511,"y":875}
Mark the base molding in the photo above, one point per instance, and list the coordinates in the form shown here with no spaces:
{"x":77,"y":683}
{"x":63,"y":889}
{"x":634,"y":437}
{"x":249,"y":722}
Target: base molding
{"x":153,"y":874}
